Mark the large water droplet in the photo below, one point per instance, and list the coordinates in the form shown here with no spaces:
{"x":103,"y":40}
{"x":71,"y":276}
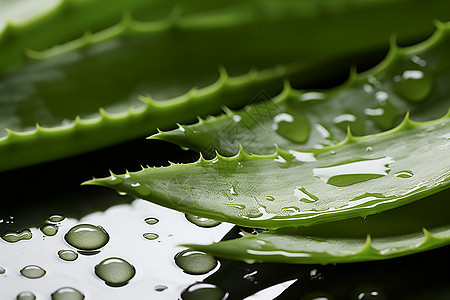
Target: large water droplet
{"x":303,"y":195}
{"x":87,"y":237}
{"x":56,"y":218}
{"x":203,"y":290}
{"x":404,"y":174}
{"x":32,"y":272}
{"x":151,"y":221}
{"x":150,"y":236}
{"x":67,"y":255}
{"x":202,"y":222}
{"x":2,"y":270}
{"x":26,"y":296}
{"x":293,"y":126}
{"x":351,"y":172}
{"x":195,"y":262}
{"x":49,"y":229}
{"x":67,"y":293}
{"x":115,"y":271}
{"x":15,"y":236}
{"x":413,"y":85}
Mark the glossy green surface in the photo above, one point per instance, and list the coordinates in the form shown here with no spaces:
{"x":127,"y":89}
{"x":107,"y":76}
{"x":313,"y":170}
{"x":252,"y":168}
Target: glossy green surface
{"x":413,"y":79}
{"x":413,"y":228}
{"x":290,"y":189}
{"x":77,"y":98}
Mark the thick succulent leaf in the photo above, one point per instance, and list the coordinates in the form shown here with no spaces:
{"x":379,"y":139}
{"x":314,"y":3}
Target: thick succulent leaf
{"x":170,"y":54}
{"x":359,"y":177}
{"x":411,"y":79}
{"x":413,"y":228}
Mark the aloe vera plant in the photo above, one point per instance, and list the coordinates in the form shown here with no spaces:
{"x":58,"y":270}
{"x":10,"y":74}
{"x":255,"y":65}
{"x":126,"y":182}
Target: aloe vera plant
{"x":410,"y":79}
{"x":168,"y":57}
{"x":350,"y":174}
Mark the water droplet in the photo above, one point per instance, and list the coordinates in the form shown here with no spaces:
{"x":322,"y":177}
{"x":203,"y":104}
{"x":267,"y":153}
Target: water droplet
{"x":121,"y":193}
{"x":413,"y":85}
{"x":233,"y":191}
{"x":56,"y":218}
{"x":67,"y":293}
{"x":385,"y":116}
{"x":141,"y":189}
{"x":160,"y":288}
{"x":151,"y":221}
{"x":350,"y":120}
{"x":32,"y":272}
{"x":115,"y":271}
{"x":303,"y":195}
{"x":67,"y":255}
{"x":115,"y":180}
{"x":284,"y":160}
{"x":270,"y":198}
{"x":49,"y":229}
{"x":195,"y":262}
{"x":238,"y":206}
{"x":150,"y":236}
{"x":371,"y":295}
{"x":355,"y":171}
{"x":26,"y":296}
{"x":203,"y":290}
{"x":87,"y":237}
{"x":369,"y":149}
{"x":291,"y":209}
{"x":2,"y":270}
{"x":404,"y":174}
{"x":15,"y":236}
{"x":237,"y":118}
{"x":293,"y":126}
{"x":202,"y":222}
{"x":251,"y":277}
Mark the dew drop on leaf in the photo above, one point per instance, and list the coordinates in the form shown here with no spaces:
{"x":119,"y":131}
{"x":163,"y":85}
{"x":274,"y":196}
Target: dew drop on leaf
{"x":67,"y":293}
{"x":15,"y":236}
{"x":202,"y":222}
{"x":270,"y":198}
{"x":195,"y":262}
{"x":141,"y":189}
{"x":203,"y":290}
{"x":115,"y":271}
{"x":87,"y":237}
{"x":32,"y":272}
{"x":293,"y":126}
{"x":404,"y":174}
{"x":67,"y":255}
{"x":413,"y":85}
{"x":303,"y":195}
{"x":351,"y":172}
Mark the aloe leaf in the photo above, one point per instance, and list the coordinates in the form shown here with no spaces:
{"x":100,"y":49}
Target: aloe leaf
{"x":59,"y":86}
{"x":358,"y":177}
{"x":413,"y":228}
{"x":411,"y":79}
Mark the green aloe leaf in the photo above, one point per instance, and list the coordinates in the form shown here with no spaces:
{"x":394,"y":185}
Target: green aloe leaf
{"x":413,"y":228}
{"x":62,"y":88}
{"x":411,"y":79}
{"x":358,"y":177}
